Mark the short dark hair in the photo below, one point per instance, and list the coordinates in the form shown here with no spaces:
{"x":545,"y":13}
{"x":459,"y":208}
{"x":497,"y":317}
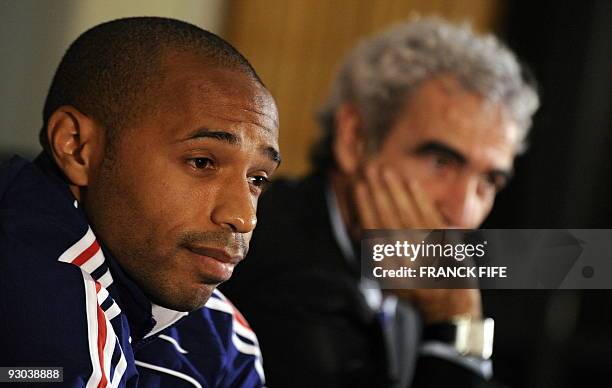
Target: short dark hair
{"x":109,"y":71}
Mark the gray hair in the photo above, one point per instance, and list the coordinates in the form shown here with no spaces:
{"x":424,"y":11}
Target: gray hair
{"x":383,"y":71}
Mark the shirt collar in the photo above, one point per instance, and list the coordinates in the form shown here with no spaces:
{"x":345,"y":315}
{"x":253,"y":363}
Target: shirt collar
{"x":164,"y":318}
{"x":337,"y":223}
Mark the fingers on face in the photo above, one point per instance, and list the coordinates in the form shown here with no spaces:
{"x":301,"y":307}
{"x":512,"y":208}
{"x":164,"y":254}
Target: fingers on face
{"x":365,"y":210}
{"x":403,"y":201}
{"x":431,"y":217}
{"x":383,"y":202}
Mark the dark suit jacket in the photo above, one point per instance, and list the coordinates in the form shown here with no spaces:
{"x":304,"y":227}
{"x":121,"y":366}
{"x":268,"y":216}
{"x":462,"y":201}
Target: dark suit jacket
{"x":303,"y":300}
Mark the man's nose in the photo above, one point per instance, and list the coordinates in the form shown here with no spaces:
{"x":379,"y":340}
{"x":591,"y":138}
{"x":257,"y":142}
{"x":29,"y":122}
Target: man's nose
{"x":461,"y":203}
{"x":236,"y":208}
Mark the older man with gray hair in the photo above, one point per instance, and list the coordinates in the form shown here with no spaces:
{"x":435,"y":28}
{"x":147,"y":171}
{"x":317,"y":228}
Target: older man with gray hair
{"x":420,"y":131}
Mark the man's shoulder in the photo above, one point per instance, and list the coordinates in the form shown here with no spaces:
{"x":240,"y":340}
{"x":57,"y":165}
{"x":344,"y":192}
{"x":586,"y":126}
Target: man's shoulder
{"x":291,"y":194}
{"x":229,"y":324}
{"x":288,"y":211}
{"x":39,"y":219}
{"x":9,"y":170}
{"x":43,"y":309}
{"x":55,"y":313}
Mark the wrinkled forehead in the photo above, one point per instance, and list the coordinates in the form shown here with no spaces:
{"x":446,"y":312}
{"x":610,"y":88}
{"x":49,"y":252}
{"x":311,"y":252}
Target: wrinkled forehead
{"x":448,"y":106}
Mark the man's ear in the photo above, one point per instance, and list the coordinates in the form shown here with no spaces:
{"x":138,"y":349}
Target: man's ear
{"x":349,"y":140}
{"x":74,"y":140}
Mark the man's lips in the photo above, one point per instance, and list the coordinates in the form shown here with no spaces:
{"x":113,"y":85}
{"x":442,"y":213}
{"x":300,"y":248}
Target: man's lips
{"x":217,"y":254}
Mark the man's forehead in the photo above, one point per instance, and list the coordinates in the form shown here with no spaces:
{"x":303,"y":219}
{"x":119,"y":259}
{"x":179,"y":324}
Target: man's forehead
{"x":257,"y":108}
{"x":444,"y":107}
{"x":226,"y":93}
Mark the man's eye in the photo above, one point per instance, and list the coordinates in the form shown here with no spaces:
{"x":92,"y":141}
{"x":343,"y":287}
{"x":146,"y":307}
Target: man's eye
{"x":259,"y":181}
{"x":201,"y":163}
{"x":496,"y":182}
{"x":442,"y":161}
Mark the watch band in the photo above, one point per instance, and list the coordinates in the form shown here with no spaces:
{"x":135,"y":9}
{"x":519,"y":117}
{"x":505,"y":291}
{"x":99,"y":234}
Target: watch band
{"x":469,"y":336}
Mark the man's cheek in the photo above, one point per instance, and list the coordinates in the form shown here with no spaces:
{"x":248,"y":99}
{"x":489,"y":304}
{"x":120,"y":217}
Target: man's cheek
{"x":246,"y":243}
{"x":486,"y":208}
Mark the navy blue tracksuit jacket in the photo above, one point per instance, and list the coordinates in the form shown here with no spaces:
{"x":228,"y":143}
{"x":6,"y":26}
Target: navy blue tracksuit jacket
{"x":65,"y":302}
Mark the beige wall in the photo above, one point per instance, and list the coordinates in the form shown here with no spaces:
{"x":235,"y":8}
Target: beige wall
{"x":295,"y":46}
{"x":204,"y":13}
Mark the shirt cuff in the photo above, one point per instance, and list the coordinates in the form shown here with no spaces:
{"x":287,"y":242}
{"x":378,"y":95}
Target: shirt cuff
{"x":447,"y":352}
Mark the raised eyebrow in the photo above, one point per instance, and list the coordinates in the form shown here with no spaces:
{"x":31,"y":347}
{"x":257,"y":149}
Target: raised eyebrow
{"x":436,"y":147}
{"x":204,"y":133}
{"x":272,"y":154}
{"x":230,"y":138}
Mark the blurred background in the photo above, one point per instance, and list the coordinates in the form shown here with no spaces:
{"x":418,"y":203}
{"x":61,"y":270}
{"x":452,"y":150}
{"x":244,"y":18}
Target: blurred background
{"x":543,"y":339}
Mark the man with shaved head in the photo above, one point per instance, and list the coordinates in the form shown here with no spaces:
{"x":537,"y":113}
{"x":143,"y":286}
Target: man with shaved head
{"x":158,"y":138}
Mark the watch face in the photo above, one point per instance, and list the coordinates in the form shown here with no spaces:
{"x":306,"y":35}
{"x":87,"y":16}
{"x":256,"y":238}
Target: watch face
{"x":470,"y":337}
{"x":475,"y":337}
